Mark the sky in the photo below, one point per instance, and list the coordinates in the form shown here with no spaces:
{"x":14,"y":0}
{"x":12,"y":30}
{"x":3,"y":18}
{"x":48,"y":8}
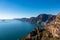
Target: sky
{"x":27,"y":8}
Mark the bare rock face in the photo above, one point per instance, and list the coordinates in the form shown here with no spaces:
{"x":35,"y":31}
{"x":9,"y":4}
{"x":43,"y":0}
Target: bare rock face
{"x":50,"y":32}
{"x":39,"y":34}
{"x":46,"y":18}
{"x":54,"y":26}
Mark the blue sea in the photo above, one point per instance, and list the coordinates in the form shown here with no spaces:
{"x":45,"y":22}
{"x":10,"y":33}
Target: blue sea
{"x":14,"y":29}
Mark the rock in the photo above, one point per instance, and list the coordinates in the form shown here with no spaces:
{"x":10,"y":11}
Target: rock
{"x":54,"y":26}
{"x":39,"y":19}
{"x":50,"y":32}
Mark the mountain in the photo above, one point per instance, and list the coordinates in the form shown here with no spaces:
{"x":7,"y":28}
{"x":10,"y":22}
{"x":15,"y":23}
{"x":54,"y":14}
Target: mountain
{"x":50,"y":32}
{"x":45,"y":18}
{"x":21,"y":19}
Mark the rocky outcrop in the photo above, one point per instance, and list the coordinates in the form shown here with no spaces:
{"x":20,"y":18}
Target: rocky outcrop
{"x":40,"y":34}
{"x":54,"y":26}
{"x":50,"y":32}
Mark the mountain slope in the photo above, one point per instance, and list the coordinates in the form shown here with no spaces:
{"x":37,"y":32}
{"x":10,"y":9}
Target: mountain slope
{"x":46,"y":18}
{"x":50,"y":32}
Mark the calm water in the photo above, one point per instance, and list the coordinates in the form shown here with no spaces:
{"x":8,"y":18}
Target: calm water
{"x":13,"y":29}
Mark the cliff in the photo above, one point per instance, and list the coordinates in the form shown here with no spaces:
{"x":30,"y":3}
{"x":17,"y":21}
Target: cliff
{"x":46,"y":18}
{"x":50,"y":32}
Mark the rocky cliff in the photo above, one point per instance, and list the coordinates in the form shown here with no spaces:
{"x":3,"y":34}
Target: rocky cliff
{"x":50,"y":32}
{"x":46,"y":18}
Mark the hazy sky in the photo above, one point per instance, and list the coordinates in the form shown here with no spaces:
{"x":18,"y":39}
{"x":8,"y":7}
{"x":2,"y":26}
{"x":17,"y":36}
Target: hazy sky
{"x":27,"y":8}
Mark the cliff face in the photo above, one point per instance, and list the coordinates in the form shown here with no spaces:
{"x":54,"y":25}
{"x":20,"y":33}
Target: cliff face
{"x":50,"y":32}
{"x":46,"y":18}
{"x":54,"y":26}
